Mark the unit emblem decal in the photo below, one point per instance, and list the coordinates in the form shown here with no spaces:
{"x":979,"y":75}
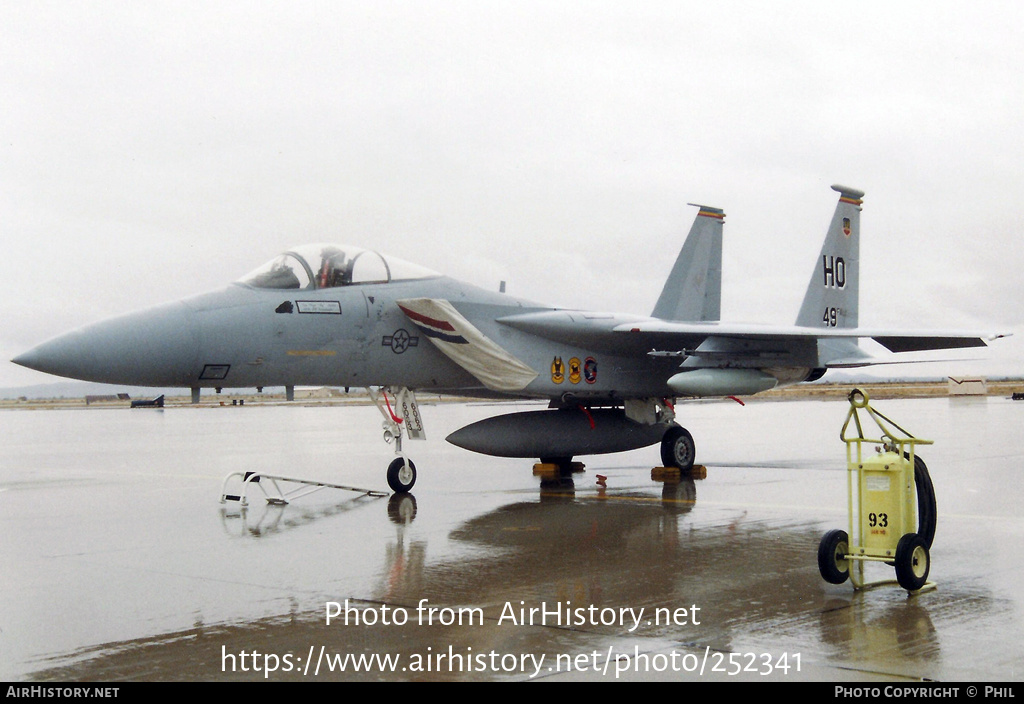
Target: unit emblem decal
{"x":574,"y":370}
{"x":557,"y":370}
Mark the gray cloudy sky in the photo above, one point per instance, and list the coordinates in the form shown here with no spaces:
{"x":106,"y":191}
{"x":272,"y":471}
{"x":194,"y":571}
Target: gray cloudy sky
{"x":158,"y":149}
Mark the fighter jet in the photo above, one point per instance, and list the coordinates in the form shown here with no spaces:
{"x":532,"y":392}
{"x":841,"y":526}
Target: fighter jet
{"x":334,"y":315}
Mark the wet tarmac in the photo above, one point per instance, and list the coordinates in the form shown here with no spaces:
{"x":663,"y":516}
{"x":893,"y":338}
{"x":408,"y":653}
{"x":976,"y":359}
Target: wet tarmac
{"x":119,"y":563}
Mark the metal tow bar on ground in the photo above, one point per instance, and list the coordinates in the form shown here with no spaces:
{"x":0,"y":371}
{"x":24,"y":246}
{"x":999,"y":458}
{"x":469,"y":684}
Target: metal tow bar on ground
{"x":886,"y":524}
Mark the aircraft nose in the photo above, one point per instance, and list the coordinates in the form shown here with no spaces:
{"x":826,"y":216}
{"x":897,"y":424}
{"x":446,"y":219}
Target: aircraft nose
{"x":39,"y":358}
{"x":155,"y":347}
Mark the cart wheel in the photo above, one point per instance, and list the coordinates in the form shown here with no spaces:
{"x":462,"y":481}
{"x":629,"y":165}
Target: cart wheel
{"x":926,"y":511}
{"x":913,"y":562}
{"x":832,"y":552}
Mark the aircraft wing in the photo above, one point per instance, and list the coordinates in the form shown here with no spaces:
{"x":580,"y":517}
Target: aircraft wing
{"x":892,"y":340}
{"x":739,"y":344}
{"x":754,"y":345}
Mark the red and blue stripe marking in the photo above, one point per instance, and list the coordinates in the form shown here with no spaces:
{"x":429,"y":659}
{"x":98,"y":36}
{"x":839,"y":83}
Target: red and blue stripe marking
{"x":432,"y":327}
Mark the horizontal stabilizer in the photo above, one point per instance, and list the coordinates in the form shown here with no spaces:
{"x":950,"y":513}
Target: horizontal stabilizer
{"x":906,"y":343}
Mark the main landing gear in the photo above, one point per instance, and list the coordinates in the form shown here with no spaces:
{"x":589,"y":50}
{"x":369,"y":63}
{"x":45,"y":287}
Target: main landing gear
{"x":678,"y":453}
{"x":678,"y":449}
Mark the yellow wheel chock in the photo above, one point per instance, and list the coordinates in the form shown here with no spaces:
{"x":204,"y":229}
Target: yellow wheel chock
{"x":885,"y":523}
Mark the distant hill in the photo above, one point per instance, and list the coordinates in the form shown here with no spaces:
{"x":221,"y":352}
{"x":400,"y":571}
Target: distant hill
{"x":80,"y":389}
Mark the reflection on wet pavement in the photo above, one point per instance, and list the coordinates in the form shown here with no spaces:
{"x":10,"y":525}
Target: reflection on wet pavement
{"x":497,"y":573}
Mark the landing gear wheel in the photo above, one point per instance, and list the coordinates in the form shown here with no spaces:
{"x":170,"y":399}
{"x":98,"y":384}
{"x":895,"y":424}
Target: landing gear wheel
{"x":401,"y":475}
{"x":913,"y":562}
{"x":677,"y":448}
{"x":832,"y":552}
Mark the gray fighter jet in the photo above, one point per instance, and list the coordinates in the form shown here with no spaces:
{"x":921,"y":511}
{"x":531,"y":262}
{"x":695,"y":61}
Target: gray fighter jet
{"x":342,"y":316}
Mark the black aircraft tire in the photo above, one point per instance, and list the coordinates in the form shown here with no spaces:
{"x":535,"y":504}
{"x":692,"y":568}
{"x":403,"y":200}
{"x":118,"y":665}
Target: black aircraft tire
{"x":401,"y":479}
{"x":678,"y":449}
{"x":913,"y":562}
{"x":832,"y":562}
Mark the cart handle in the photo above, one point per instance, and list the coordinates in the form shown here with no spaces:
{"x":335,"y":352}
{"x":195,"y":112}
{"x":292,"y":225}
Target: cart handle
{"x":859,"y":399}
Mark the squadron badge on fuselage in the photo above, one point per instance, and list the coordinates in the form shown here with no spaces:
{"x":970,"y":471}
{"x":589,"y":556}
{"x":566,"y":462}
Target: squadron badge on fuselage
{"x":574,"y":370}
{"x":557,"y":370}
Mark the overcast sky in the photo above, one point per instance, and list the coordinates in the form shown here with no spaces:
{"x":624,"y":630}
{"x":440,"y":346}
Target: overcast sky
{"x":152,"y":150}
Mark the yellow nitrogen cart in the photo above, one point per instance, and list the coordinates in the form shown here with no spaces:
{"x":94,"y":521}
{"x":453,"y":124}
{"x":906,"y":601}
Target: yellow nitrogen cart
{"x":887,"y":523}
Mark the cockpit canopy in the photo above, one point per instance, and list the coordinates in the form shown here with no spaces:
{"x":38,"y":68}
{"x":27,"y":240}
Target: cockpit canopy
{"x":316,"y":266}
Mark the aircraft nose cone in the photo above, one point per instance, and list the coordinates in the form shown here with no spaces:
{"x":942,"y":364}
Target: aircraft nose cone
{"x":47,"y":357}
{"x":155,"y":347}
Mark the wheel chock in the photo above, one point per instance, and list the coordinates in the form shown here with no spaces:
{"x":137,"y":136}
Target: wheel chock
{"x":552,"y":469}
{"x":674,"y":474}
{"x":665,"y":474}
{"x":546,"y":470}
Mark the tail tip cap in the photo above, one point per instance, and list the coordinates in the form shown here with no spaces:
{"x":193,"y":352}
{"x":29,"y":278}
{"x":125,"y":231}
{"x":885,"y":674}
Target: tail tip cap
{"x":847,"y":191}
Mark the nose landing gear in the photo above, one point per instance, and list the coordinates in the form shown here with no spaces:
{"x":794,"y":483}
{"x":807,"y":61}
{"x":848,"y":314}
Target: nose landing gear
{"x":406,"y":414}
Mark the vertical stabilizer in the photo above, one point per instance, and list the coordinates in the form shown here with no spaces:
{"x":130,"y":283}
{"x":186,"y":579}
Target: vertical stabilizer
{"x":693,"y":290}
{"x":832,"y":294}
